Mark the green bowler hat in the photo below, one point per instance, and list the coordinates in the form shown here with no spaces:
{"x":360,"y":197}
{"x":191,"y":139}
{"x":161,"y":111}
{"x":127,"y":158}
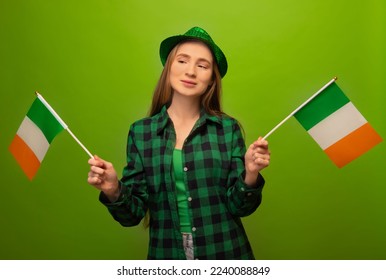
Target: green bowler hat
{"x":196,"y":33}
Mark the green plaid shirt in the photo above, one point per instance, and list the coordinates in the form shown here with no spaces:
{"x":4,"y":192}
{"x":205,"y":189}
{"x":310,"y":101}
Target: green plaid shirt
{"x":213,"y":158}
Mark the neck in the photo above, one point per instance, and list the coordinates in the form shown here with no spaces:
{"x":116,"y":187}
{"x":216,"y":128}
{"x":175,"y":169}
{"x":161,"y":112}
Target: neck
{"x":184,"y":108}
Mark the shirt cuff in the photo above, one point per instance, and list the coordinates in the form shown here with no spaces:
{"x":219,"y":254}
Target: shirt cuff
{"x":251,"y":191}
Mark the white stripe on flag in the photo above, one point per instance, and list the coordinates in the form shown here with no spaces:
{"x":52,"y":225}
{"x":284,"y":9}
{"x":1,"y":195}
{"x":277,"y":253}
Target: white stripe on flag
{"x":337,"y":125}
{"x":33,"y":137}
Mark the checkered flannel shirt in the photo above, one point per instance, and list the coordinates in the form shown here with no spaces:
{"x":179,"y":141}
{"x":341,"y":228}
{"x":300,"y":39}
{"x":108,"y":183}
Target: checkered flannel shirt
{"x":213,"y":158}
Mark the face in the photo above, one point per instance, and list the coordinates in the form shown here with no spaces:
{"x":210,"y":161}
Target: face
{"x":191,"y":71}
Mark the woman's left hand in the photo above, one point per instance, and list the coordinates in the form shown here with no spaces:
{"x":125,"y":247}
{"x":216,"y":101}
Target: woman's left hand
{"x":257,"y":158}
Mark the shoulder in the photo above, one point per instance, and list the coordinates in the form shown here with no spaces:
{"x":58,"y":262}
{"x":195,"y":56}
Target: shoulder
{"x":141,"y":123}
{"x":230,"y":122}
{"x":151,"y":124}
{"x":232,"y":128}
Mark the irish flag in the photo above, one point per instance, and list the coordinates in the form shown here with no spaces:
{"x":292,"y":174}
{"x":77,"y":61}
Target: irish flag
{"x":337,"y":126}
{"x":34,"y":136}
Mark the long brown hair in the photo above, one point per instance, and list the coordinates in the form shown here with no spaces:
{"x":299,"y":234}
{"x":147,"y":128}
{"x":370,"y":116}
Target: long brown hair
{"x":163,"y":93}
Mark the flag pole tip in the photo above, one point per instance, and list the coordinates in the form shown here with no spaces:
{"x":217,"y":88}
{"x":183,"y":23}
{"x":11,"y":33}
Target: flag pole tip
{"x":335,"y":78}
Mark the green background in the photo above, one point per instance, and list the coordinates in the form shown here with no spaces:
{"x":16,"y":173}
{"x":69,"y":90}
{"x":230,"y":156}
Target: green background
{"x":96,"y":62}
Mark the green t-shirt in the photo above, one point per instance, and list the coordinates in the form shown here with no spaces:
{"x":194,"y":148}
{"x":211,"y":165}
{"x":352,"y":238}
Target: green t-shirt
{"x":182,"y":198}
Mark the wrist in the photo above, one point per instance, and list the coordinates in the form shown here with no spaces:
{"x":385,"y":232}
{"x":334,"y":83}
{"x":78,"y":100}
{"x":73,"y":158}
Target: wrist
{"x":113,"y":192}
{"x":251,"y":179}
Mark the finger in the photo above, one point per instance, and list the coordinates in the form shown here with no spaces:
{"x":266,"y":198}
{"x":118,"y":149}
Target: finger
{"x":261,"y":157}
{"x":262,"y":161}
{"x":103,"y":163}
{"x":94,"y":175}
{"x":94,"y":162}
{"x":261,"y":150}
{"x":95,"y":181}
{"x":97,"y":170}
{"x":97,"y":161}
{"x":263,"y":154}
{"x":260,"y":142}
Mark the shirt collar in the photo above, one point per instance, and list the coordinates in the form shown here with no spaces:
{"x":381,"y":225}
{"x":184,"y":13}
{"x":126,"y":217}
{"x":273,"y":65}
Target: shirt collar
{"x":163,"y":119}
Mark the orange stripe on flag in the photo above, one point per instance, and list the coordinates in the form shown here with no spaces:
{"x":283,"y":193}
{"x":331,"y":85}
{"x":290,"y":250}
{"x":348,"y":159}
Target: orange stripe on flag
{"x":353,"y":145}
{"x":24,"y":156}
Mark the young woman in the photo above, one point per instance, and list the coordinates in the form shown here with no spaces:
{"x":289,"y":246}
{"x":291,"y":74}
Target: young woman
{"x":187,"y":165}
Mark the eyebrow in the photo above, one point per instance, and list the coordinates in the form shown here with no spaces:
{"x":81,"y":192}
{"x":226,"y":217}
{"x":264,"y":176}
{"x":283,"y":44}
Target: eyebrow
{"x":188,"y":56}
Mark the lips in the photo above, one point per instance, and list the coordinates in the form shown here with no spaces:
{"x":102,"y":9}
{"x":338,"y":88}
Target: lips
{"x":188,"y":83}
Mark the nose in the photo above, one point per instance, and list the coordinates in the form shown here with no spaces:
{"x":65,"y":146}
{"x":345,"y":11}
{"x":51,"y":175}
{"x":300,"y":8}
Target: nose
{"x":190,"y":70}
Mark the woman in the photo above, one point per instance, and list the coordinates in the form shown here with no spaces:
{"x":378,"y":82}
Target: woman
{"x":187,"y":165}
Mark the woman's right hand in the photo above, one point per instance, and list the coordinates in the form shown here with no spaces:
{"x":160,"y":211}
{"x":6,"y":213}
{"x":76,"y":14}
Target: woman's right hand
{"x":103,"y":176}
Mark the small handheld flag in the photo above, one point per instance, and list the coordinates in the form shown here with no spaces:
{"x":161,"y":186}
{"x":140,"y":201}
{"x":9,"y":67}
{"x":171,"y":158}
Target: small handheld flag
{"x":335,"y":124}
{"x":35,"y":134}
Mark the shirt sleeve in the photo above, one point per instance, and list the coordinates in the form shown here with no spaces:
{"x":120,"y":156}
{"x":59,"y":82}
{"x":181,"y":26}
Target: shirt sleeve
{"x":242,"y":199}
{"x":131,"y":205}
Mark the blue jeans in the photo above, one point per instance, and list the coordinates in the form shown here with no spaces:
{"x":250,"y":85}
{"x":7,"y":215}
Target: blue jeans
{"x":187,"y":240}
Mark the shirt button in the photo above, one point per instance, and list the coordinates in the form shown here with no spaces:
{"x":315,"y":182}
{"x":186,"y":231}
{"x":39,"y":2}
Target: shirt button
{"x":185,"y":169}
{"x":249,"y":194}
{"x":189,"y":198}
{"x":242,"y":189}
{"x":194,"y":229}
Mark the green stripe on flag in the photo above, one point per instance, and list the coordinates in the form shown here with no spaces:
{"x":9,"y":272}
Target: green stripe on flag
{"x":42,"y":117}
{"x":323,"y":105}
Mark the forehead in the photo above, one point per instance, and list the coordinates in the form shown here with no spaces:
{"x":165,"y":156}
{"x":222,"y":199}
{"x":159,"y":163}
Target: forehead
{"x":195,"y":49}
